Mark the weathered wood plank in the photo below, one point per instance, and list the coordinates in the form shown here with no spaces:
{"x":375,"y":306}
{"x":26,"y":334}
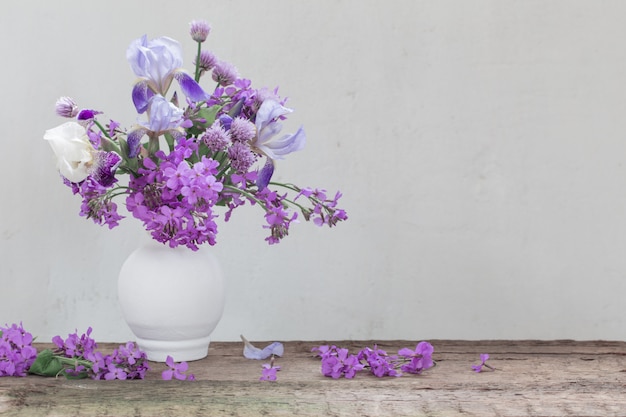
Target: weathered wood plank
{"x":557,"y":378}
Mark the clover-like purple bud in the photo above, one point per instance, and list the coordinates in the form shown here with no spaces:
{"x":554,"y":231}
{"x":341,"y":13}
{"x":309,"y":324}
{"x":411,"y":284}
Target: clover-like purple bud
{"x":66,"y":107}
{"x":199,"y":30}
{"x":207,"y":61}
{"x":224,"y":73}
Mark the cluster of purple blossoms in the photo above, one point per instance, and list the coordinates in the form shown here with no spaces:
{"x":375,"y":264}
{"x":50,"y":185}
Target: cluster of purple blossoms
{"x":219,"y":151}
{"x":97,"y":203}
{"x":16,"y":351}
{"x":419,"y":359}
{"x":126,"y":362}
{"x":379,"y":362}
{"x":77,"y":357}
{"x":324,"y":211}
{"x":338,"y":362}
{"x":174,"y":200}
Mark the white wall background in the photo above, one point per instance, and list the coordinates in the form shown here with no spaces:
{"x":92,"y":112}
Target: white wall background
{"x":480,"y":146}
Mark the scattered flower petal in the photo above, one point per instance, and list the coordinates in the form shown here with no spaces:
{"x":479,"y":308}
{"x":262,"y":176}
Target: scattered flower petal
{"x":252,"y":352}
{"x":483,"y":359}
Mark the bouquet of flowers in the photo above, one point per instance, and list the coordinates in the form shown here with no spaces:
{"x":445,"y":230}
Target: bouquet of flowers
{"x":216,"y":150}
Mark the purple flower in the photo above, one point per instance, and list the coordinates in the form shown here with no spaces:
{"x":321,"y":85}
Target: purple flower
{"x":115,"y":372}
{"x":157,"y":63}
{"x":338,"y":362}
{"x":75,"y":346}
{"x":216,"y":138}
{"x":104,"y":168}
{"x":325,"y":211}
{"x":85,"y":116}
{"x":483,"y":359}
{"x":265,"y":175}
{"x":16,"y":351}
{"x":99,"y":364}
{"x":126,"y":362}
{"x":163,"y":115}
{"x":132,"y":360}
{"x":278,"y":219}
{"x":224,"y":73}
{"x":66,"y":107}
{"x":206,"y":62}
{"x":268,"y":126}
{"x":176,"y":370}
{"x":242,"y":130}
{"x":269,"y":372}
{"x":199,"y":30}
{"x":241,"y":157}
{"x":420,"y":359}
{"x":252,"y":352}
{"x":379,"y":362}
{"x":188,"y":221}
{"x":96,"y":204}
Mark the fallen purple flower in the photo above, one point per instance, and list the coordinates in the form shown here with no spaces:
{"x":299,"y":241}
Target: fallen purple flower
{"x":176,"y":370}
{"x":16,"y":351}
{"x":483,"y":359}
{"x":252,"y":352}
{"x":269,"y":372}
{"x":420,"y":359}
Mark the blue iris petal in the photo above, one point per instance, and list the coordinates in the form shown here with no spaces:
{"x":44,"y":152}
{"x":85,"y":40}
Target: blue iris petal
{"x":252,"y":352}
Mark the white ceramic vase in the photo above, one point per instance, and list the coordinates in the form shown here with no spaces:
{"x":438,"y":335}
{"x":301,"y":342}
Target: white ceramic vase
{"x":172,"y":300}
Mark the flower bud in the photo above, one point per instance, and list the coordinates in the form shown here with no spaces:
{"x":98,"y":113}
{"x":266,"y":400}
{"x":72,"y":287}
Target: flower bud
{"x":199,"y":30}
{"x":224,"y":73}
{"x":66,"y":107}
{"x":207,"y":61}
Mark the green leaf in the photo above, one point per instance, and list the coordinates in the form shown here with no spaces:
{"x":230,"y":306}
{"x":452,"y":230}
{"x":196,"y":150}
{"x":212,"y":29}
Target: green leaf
{"x":170,"y":141}
{"x":81,"y":375}
{"x":208,"y":114}
{"x":46,"y":364}
{"x":123,"y":148}
{"x":108,"y":145}
{"x":130,"y":164}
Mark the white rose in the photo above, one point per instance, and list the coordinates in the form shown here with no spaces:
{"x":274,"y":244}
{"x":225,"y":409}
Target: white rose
{"x":73,"y":150}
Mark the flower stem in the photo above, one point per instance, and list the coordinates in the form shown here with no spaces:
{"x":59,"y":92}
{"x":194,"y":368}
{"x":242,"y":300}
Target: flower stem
{"x":197,"y":77}
{"x":245,"y":194}
{"x":97,"y":123}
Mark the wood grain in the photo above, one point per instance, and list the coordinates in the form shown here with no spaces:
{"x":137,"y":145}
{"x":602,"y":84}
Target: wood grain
{"x":533,"y":378}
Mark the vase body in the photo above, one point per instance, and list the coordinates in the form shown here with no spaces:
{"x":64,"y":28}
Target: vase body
{"x":172,"y":299}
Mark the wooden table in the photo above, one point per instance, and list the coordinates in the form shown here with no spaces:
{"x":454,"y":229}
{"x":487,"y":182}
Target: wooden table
{"x":533,"y":378}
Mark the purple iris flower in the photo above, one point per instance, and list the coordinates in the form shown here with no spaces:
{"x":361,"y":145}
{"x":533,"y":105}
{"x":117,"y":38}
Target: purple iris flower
{"x":157,"y":63}
{"x":267,"y":126}
{"x":105,"y":167}
{"x":163,"y":116}
{"x":265,"y":175}
{"x":252,"y":352}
